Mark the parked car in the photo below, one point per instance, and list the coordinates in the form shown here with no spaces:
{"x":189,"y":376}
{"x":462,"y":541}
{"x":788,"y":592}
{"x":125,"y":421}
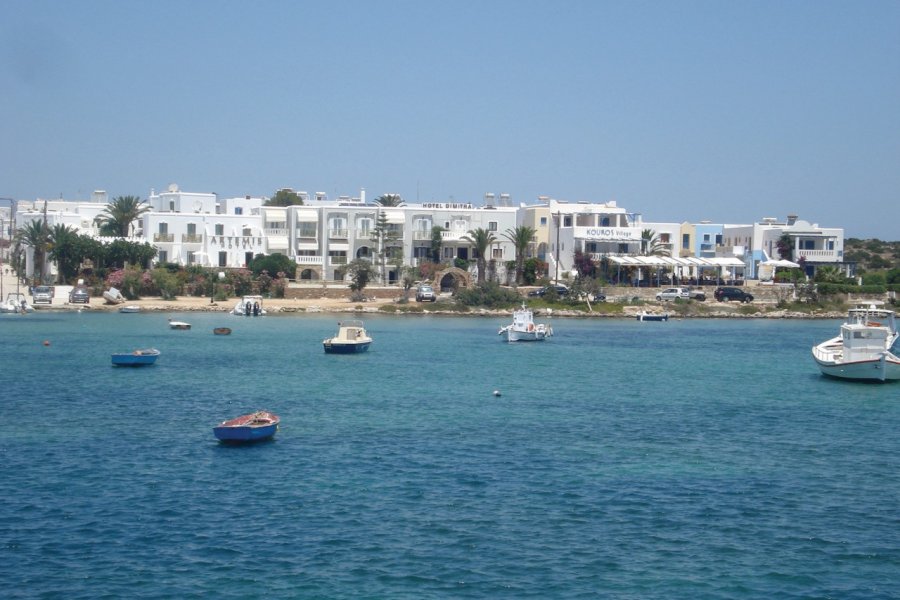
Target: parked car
{"x":79,"y":295}
{"x":425,"y":293}
{"x":682,"y":293}
{"x":723,"y":294}
{"x":42,"y":294}
{"x":561,"y":290}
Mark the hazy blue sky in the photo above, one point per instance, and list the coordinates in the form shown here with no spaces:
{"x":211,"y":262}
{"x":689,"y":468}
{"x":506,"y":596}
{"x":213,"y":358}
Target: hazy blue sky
{"x":680,"y":110}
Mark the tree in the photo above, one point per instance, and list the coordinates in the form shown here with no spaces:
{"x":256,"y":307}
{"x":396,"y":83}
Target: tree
{"x":361,"y":272}
{"x":386,"y":200}
{"x":437,"y":240}
{"x":384,"y":236}
{"x":520,"y":237}
{"x":63,"y":249}
{"x":482,"y":239}
{"x":117,"y":217}
{"x":785,"y":247}
{"x":273,"y":263}
{"x":285,"y":197}
{"x":35,"y":234}
{"x":650,"y":244}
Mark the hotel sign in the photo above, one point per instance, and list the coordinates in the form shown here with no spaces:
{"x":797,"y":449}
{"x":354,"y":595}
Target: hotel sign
{"x":608,"y":234}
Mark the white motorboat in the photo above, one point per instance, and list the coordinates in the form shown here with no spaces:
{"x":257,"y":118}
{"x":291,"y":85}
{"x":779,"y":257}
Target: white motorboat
{"x":178,"y":325}
{"x":351,"y":338}
{"x":249,"y":306}
{"x":863,"y":350}
{"x":524,"y":329}
{"x":16,"y":303}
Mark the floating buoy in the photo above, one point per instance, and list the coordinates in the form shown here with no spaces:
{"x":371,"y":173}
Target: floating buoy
{"x":497,"y":392}
{"x":46,"y":342}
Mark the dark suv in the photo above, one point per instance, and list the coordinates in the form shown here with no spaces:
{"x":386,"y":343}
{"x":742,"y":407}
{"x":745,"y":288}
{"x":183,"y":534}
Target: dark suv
{"x":732,"y":293}
{"x":79,"y":295}
{"x":561,"y":290}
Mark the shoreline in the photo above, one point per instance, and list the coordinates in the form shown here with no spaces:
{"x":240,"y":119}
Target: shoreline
{"x":285,"y":307}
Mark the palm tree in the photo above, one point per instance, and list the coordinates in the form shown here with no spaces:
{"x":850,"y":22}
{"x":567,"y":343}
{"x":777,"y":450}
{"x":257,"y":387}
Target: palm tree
{"x":61,"y":249}
{"x":35,"y":234}
{"x":482,"y":239}
{"x":520,"y":237}
{"x":650,"y":244}
{"x":386,"y":200}
{"x":118,"y":215}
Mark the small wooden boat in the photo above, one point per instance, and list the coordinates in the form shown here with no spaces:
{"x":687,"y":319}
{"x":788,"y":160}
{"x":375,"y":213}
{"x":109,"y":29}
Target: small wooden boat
{"x":178,"y":324}
{"x":138,"y":358}
{"x":222,"y":331}
{"x":257,"y":426}
{"x":350,"y":339}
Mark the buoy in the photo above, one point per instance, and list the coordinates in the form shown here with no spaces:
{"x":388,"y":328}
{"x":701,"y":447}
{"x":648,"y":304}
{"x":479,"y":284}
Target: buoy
{"x":46,"y":342}
{"x":496,"y":392}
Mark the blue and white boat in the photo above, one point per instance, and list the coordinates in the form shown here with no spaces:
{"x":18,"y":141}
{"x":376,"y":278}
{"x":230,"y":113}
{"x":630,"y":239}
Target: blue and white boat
{"x":257,"y":426}
{"x":138,"y":358}
{"x":863,"y":350}
{"x":524,"y":329}
{"x":350,"y":339}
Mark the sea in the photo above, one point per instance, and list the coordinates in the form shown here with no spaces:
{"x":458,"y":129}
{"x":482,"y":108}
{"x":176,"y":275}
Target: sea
{"x":695,"y":458}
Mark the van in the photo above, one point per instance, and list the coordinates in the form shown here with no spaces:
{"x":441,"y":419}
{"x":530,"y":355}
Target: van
{"x":42,"y":294}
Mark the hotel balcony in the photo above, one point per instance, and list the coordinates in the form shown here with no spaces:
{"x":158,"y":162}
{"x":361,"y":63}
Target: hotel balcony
{"x":817,"y":255}
{"x":337,"y":260}
{"x":191,"y":238}
{"x":421,"y":235}
{"x":276,"y":231}
{"x":337,"y":234}
{"x":163,"y":237}
{"x":453,"y":236}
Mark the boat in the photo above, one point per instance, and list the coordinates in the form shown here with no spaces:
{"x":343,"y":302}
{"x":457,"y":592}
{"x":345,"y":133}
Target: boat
{"x":131,"y":308}
{"x":113,"y":296}
{"x":257,"y":426}
{"x":864,"y":349}
{"x":350,"y":339}
{"x":178,"y":324}
{"x":524,"y":329}
{"x":138,"y":358}
{"x":645,"y":316}
{"x":249,"y":306}
{"x":222,"y":331}
{"x":16,"y":302}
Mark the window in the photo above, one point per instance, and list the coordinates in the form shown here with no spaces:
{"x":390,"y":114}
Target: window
{"x":567,"y":221}
{"x":705,"y":238}
{"x":492,"y":225}
{"x":164,"y":228}
{"x":190,"y":258}
{"x":543,"y":221}
{"x":497,"y":253}
{"x":192,"y":228}
{"x":686,"y":241}
{"x":163,"y":256}
{"x":220,"y":230}
{"x":246,"y":232}
{"x":718,"y":239}
{"x":172,"y":205}
{"x":306,"y":230}
{"x":604,"y":222}
{"x":223,"y":259}
{"x":238,"y":210}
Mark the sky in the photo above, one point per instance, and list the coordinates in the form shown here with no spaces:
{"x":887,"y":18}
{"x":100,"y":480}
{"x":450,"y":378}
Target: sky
{"x":679,"y":110}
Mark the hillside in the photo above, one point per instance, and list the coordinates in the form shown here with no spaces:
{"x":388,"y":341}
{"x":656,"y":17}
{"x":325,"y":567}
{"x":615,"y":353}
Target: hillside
{"x":872,"y":255}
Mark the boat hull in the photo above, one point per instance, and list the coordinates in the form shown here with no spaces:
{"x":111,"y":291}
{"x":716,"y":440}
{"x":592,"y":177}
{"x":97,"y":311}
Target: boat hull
{"x":345,"y":348}
{"x":876,"y":369}
{"x":664,"y":317}
{"x":134,"y":359}
{"x":245,"y":434}
{"x":525,"y":336}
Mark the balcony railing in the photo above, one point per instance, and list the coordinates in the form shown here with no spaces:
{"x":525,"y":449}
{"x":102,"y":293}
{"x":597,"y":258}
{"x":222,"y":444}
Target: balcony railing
{"x":276,"y":231}
{"x":817,"y":255}
{"x":310,"y":260}
{"x":453,"y":235}
{"x":191,"y":238}
{"x":337,"y":234}
{"x":421,"y":235}
{"x":337,"y":260}
{"x":163,"y":237}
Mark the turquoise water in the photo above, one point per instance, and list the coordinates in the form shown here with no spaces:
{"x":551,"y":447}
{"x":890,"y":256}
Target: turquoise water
{"x":688,"y":459}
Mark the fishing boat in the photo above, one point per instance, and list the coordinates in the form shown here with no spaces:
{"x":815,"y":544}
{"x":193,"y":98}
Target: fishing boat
{"x":645,"y":316}
{"x":222,"y":331}
{"x":16,"y":302}
{"x":524,"y":329}
{"x":178,"y":324}
{"x":249,"y":306}
{"x":113,"y":296}
{"x":351,"y":338}
{"x":257,"y":426}
{"x":864,"y":349}
{"x":138,"y":358}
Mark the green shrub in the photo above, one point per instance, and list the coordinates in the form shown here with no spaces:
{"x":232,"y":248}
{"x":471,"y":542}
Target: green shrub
{"x":489,"y":295}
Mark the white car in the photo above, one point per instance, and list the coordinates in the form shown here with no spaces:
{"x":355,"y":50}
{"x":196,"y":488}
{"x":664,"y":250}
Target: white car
{"x":425,"y":293}
{"x":680,"y":292}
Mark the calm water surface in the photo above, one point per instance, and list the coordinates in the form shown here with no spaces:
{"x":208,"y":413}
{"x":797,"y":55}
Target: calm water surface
{"x":688,"y":459}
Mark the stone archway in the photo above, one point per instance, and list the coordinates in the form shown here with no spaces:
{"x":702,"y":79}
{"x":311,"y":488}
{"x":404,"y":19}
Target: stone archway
{"x":310,"y":274}
{"x":452,"y":278}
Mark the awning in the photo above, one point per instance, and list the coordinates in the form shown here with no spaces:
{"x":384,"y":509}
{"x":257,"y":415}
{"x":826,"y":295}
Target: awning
{"x":277,"y":242}
{"x":307,"y":215}
{"x":275,"y":215}
{"x":394,"y":216}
